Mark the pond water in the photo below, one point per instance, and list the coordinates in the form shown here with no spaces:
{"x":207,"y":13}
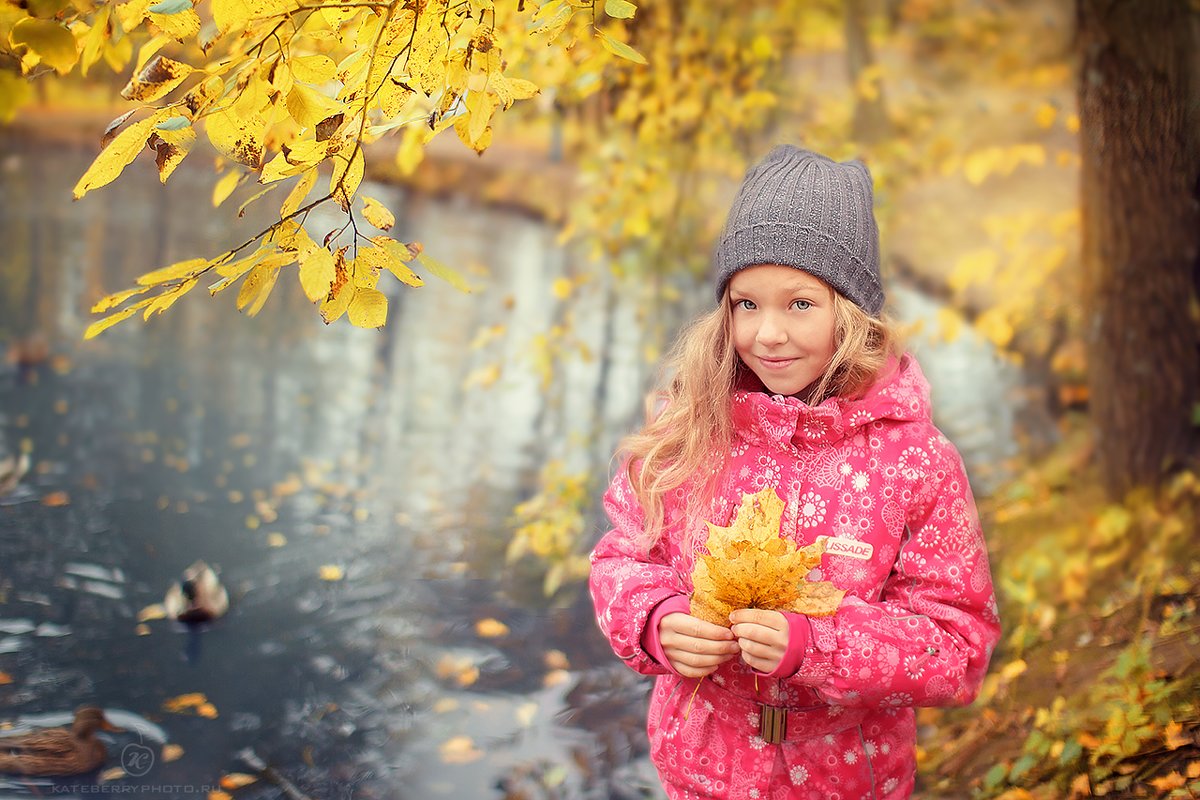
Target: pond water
{"x":276,"y":446}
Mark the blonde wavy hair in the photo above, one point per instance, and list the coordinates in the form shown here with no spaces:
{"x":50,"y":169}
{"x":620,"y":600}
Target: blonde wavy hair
{"x":689,"y":426}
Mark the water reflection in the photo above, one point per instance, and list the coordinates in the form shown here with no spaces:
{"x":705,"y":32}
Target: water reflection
{"x":205,"y":434}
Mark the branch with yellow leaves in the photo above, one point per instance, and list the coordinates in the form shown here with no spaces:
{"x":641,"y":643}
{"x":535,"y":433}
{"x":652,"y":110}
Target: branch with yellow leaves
{"x":341,"y":74}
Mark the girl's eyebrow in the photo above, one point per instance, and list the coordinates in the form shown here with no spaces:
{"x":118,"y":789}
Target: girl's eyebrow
{"x":803,"y":286}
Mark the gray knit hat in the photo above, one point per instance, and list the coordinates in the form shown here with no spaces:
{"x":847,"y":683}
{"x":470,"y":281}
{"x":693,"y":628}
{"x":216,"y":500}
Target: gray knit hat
{"x":803,"y":210}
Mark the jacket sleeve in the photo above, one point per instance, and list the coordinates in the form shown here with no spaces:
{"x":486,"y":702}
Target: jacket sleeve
{"x":626,"y":581}
{"x":928,"y":638}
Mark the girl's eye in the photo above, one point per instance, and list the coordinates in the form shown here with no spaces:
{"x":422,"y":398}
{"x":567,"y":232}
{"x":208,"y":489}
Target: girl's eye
{"x":803,"y":305}
{"x":747,"y":305}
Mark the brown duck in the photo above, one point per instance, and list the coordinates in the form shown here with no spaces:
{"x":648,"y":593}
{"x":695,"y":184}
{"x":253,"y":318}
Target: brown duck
{"x":57,"y":751}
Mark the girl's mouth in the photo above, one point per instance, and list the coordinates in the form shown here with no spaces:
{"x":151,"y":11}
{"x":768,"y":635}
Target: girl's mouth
{"x":776,"y":363}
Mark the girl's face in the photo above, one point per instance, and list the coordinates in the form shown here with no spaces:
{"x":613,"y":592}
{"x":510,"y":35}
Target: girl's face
{"x":783,"y":326}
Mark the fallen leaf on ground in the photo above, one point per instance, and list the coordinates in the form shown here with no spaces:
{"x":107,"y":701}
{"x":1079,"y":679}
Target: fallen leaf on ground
{"x":749,"y":565}
{"x":1168,"y":782}
{"x":556,"y":659}
{"x":276,"y":540}
{"x":152,"y":612}
{"x":172,"y":752}
{"x":459,"y":750}
{"x":1013,"y":669}
{"x":1016,"y":794}
{"x":236,"y":780}
{"x":1173,"y":736}
{"x":5,"y":678}
{"x":111,"y":774}
{"x":462,"y":669}
{"x":56,"y":499}
{"x":195,"y":701}
{"x":556,"y":677}
{"x":332,"y":572}
{"x":184,"y":701}
{"x":491,"y":628}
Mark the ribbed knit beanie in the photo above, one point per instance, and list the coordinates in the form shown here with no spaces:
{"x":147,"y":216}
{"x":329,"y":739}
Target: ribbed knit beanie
{"x":800,"y":209}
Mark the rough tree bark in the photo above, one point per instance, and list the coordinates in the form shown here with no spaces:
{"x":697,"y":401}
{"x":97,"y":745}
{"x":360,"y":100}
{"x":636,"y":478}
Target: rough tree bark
{"x":1137,"y":96}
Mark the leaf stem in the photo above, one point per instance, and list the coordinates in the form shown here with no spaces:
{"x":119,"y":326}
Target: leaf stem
{"x":687,"y":711}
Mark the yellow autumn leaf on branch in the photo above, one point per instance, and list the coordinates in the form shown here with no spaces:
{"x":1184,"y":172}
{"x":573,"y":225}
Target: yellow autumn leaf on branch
{"x":298,"y":194}
{"x":225,"y":186}
{"x":749,"y":565}
{"x":101,"y":325}
{"x":183,"y":269}
{"x":167,"y":299}
{"x":313,"y":69}
{"x":257,"y":288}
{"x":368,"y":309}
{"x":47,"y":41}
{"x":316,"y":274}
{"x":118,"y":154}
{"x":115,"y":299}
{"x":348,"y":171}
{"x":377,"y":214}
{"x":619,"y":48}
{"x":157,"y":79}
{"x":176,"y":18}
{"x":172,"y":140}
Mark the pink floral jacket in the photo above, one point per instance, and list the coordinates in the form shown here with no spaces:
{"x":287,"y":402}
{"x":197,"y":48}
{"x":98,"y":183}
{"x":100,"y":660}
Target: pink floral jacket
{"x":916,"y":627}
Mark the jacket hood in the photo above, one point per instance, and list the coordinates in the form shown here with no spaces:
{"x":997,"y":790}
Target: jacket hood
{"x":900,"y":394}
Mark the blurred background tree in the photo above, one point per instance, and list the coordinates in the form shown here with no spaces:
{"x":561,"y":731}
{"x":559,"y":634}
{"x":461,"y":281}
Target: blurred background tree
{"x":1138,"y":94}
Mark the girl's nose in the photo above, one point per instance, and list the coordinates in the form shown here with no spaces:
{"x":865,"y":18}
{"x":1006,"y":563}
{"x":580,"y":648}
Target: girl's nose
{"x":771,"y":331}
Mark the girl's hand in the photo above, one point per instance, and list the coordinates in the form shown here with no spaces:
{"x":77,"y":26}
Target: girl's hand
{"x":694,"y":647}
{"x":762,"y":637}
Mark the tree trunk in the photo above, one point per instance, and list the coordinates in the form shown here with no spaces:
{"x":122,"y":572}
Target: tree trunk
{"x":870,"y":114}
{"x":1141,"y":234}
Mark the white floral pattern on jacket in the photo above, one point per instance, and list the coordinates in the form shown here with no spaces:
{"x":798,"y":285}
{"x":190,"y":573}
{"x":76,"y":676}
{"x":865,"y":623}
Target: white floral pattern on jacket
{"x":916,"y":628}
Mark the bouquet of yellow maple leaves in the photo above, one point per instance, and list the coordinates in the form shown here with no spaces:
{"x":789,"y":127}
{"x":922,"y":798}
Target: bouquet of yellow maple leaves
{"x":749,"y":565}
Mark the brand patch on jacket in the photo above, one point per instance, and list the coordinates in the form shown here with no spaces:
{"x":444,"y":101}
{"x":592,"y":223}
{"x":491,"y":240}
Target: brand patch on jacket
{"x":837,"y":546}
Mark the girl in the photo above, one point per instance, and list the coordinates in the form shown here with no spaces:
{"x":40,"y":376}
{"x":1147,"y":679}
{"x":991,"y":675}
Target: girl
{"x":795,"y":382}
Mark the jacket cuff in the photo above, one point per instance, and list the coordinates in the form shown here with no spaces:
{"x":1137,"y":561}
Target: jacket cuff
{"x":799,"y":635}
{"x":817,"y":662}
{"x":674,"y":604}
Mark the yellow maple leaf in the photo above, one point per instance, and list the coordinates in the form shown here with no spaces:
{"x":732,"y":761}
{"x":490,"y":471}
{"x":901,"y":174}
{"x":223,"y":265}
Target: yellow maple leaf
{"x":749,"y":565}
